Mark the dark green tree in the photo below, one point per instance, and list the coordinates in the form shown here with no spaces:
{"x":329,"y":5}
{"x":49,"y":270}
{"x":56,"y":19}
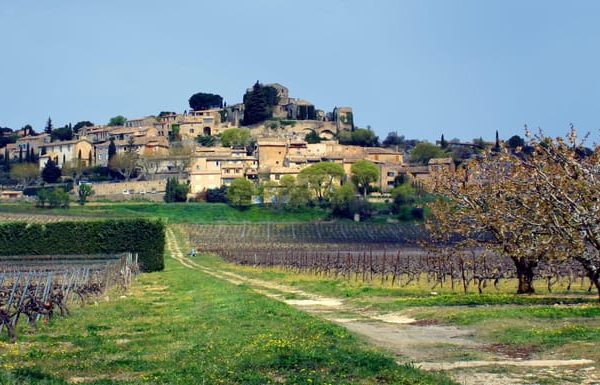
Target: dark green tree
{"x":359,"y":137}
{"x":118,"y":120}
{"x":312,"y":137}
{"x":258,"y":104}
{"x":206,"y":140}
{"x":6,"y":162}
{"x":112,"y":149}
{"x":497,"y":145}
{"x":48,"y":128}
{"x":79,"y":125}
{"x":392,"y":139}
{"x":205,"y":101}
{"x":443,"y":142}
{"x":28,"y":130}
{"x":51,"y":173}
{"x":515,"y":141}
{"x":62,"y":133}
{"x":175,"y":191}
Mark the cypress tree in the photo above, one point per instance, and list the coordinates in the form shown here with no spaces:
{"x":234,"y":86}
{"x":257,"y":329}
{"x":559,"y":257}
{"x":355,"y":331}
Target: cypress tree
{"x":48,"y":128}
{"x":497,"y":146}
{"x":112,"y":149}
{"x":6,"y":160}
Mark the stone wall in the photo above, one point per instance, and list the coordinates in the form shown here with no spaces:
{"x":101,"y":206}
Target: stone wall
{"x":152,"y":190}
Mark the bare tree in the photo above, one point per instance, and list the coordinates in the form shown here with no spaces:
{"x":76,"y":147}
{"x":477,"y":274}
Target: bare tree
{"x":124,"y":163}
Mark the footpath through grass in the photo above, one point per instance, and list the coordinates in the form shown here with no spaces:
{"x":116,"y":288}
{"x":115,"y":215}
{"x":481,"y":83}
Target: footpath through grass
{"x":183,"y":327}
{"x":556,"y":325}
{"x":173,"y":212}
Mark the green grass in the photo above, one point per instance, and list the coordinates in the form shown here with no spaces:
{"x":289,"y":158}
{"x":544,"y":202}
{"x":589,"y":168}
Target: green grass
{"x":479,"y":315}
{"x":174,"y":212}
{"x":183,"y":327}
{"x":549,"y":337}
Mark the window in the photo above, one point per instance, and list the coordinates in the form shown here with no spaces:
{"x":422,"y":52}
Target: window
{"x":277,"y":176}
{"x":191,"y":130}
{"x":390,"y":173}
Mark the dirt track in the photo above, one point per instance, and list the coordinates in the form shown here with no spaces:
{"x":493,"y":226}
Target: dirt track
{"x":431,"y":347}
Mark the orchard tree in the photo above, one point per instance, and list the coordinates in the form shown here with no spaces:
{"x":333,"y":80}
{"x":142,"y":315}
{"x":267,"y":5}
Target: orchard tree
{"x":364,"y":173}
{"x":564,"y":196}
{"x":482,"y":202}
{"x":321,"y":177}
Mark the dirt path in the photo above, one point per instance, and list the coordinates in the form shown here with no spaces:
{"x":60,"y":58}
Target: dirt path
{"x":431,"y":347}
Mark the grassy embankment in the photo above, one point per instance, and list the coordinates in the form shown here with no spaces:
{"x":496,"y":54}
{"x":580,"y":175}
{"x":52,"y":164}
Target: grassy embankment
{"x":559,"y":324}
{"x":172,"y":212}
{"x":184,"y":327}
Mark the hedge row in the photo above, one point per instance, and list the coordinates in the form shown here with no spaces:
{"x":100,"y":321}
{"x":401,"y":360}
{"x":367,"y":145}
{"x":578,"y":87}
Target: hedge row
{"x":142,"y":236}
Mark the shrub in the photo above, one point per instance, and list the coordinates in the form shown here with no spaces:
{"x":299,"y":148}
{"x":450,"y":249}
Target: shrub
{"x":175,"y":191}
{"x":142,"y":236}
{"x":240,"y":193}
{"x":217,"y":195}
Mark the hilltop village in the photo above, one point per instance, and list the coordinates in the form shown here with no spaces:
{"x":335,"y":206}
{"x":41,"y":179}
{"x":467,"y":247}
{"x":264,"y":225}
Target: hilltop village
{"x":266,"y":137}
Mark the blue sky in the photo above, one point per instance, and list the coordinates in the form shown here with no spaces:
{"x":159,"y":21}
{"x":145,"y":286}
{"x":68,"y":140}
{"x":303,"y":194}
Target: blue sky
{"x":422,"y":68}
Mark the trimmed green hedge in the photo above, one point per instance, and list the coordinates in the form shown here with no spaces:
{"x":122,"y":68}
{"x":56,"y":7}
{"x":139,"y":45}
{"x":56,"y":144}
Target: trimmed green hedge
{"x":142,"y":236}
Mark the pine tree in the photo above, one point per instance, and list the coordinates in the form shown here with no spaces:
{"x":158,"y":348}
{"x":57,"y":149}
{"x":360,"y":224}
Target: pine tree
{"x":48,"y":128}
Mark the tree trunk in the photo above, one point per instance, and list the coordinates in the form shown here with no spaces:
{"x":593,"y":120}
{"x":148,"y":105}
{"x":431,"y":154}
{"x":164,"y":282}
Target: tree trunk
{"x":525,"y":275}
{"x":593,"y":272}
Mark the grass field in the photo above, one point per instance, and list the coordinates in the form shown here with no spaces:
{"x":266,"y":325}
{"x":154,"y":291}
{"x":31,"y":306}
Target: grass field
{"x":184,"y":327}
{"x":173,"y":212}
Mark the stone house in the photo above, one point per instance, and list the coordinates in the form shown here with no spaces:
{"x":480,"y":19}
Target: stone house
{"x":66,"y":151}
